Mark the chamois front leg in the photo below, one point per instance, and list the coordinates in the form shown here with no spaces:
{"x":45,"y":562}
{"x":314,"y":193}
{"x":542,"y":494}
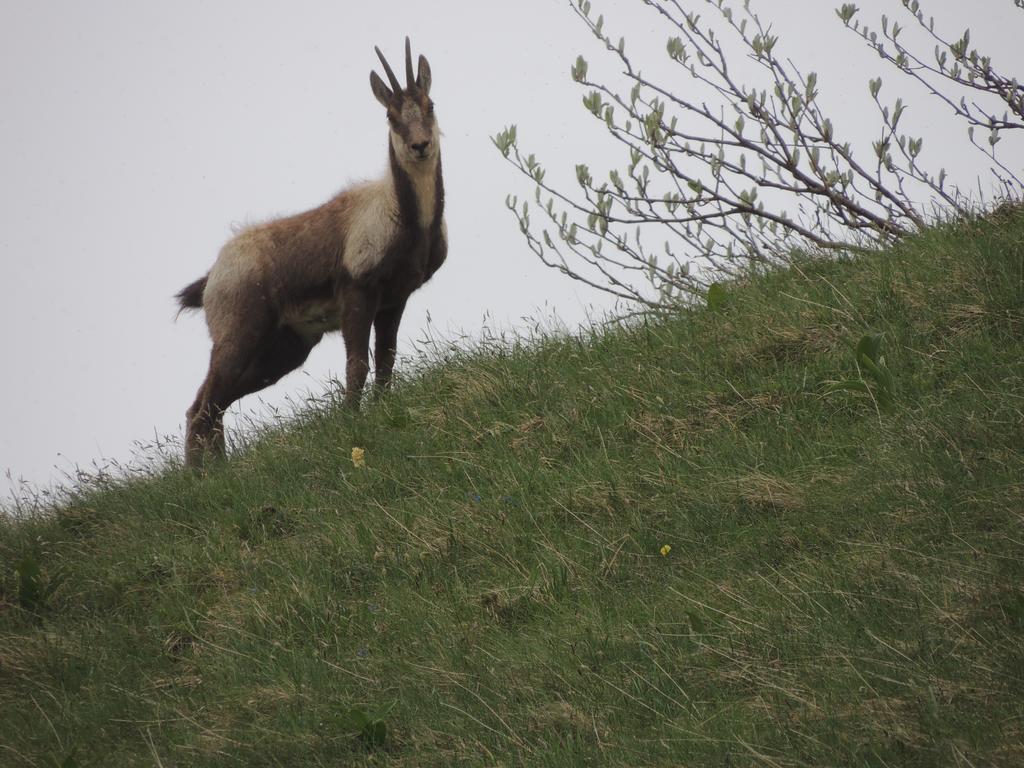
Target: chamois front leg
{"x":356,"y":322}
{"x":385,"y":329}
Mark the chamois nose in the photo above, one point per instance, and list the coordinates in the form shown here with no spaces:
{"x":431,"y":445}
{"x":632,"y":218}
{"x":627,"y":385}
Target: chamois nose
{"x":421,"y":148}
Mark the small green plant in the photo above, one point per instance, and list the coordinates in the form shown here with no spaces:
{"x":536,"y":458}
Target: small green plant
{"x":30,"y":591}
{"x":717,"y":297}
{"x":369,"y":725}
{"x":873,"y":376}
{"x":34,"y":589}
{"x":34,"y":586}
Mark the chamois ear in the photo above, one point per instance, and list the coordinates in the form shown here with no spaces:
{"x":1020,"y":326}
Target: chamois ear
{"x":384,"y":96}
{"x":423,"y":77}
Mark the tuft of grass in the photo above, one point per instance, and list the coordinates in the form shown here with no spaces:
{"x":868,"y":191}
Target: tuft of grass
{"x":720,"y":537}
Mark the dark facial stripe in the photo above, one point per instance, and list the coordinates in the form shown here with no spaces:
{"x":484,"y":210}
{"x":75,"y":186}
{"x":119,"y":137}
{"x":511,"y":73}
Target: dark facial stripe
{"x":408,"y":208}
{"x":435,"y":225}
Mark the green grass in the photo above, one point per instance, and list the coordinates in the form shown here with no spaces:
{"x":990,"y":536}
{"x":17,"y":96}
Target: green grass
{"x":845,"y":584}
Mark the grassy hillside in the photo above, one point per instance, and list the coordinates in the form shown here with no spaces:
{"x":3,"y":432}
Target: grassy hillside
{"x":844,"y":584}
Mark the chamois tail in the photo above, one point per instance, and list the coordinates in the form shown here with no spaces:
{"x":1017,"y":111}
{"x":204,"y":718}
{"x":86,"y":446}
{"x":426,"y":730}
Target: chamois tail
{"x":191,"y":296}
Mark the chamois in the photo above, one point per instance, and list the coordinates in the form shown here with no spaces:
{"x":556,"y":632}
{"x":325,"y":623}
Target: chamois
{"x":276,"y":288}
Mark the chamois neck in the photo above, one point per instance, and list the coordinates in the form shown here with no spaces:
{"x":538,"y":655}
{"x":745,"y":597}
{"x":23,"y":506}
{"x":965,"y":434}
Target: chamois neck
{"x":418,"y":190}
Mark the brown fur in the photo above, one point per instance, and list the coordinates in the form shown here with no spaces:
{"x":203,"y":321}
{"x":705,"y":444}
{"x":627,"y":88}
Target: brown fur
{"x":348,"y":265}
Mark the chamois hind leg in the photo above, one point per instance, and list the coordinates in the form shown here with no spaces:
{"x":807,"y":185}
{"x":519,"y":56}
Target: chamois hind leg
{"x":195,"y":437}
{"x":205,"y":432}
{"x":237,"y":324}
{"x":277,"y":352}
{"x":385,"y":330}
{"x":205,"y":428}
{"x":358,"y":310}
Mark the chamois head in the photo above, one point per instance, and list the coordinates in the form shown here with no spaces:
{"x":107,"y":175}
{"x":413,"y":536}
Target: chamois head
{"x":410,"y":110}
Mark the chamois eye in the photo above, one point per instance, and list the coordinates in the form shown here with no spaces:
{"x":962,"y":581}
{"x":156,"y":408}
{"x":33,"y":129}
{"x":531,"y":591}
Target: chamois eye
{"x":430,"y":108}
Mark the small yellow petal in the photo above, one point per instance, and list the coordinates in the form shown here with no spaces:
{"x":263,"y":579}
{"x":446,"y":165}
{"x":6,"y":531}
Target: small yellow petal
{"x":358,"y":457}
{"x":665,"y":550}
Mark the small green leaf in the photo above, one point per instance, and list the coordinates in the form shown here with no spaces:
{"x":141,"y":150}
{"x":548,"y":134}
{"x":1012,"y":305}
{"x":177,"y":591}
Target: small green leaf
{"x":869,"y":346}
{"x":579,"y":70}
{"x":696,"y":622}
{"x":717,"y":296}
{"x":30,"y":587}
{"x":374,"y":733}
{"x":847,"y":12}
{"x":356,"y":719}
{"x":853,"y":385}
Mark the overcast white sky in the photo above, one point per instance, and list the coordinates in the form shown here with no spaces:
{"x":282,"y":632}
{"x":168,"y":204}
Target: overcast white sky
{"x":134,"y":134}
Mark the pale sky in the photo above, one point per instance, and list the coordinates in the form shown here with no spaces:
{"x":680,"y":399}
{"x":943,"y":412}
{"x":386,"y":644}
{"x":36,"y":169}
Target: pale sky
{"x":133,"y":135}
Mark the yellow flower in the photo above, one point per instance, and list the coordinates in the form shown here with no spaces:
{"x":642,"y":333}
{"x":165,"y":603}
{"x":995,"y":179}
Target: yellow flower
{"x":358,"y":457}
{"x":665,"y":550}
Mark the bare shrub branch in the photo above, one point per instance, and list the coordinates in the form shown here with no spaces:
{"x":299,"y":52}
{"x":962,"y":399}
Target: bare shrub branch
{"x":957,"y":69}
{"x":741,"y":170}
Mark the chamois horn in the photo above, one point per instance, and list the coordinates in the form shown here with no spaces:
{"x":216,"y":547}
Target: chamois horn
{"x":410,"y":78}
{"x":395,"y":87}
